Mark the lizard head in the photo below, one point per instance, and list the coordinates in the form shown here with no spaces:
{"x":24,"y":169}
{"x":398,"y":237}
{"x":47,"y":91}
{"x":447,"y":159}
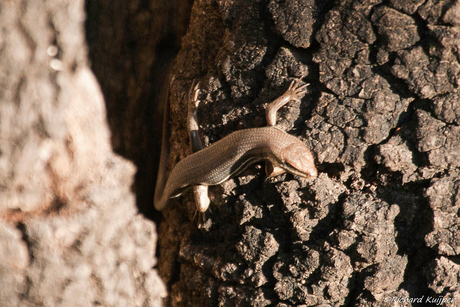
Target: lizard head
{"x":297,"y":159}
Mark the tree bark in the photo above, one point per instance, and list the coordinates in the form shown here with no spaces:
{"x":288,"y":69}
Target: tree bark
{"x":379,"y":226}
{"x":380,"y":223}
{"x":70,"y":234}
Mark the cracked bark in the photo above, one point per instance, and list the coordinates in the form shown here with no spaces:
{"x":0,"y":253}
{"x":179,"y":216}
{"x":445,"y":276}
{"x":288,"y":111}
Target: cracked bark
{"x":380,"y":222}
{"x":381,"y":116}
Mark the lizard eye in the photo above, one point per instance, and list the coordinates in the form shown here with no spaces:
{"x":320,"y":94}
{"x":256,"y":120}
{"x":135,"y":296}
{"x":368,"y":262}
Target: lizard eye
{"x":298,"y":156}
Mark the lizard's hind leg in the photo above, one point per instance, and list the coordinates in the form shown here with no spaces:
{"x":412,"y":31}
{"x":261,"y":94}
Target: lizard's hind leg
{"x":200,"y":192}
{"x":192,"y":117}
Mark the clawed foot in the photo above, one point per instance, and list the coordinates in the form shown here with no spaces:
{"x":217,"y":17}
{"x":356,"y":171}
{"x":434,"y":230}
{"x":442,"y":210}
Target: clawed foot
{"x":295,"y":92}
{"x":203,"y":220}
{"x":193,"y":95}
{"x":192,"y":118}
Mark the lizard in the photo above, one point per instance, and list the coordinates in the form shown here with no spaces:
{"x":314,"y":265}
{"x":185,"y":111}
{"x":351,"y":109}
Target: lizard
{"x":232,"y":154}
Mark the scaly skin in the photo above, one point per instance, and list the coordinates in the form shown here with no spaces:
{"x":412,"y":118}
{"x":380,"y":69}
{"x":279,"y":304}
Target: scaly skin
{"x":229,"y":156}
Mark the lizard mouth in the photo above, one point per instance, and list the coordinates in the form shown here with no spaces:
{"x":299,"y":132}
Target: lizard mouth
{"x":298,"y":160}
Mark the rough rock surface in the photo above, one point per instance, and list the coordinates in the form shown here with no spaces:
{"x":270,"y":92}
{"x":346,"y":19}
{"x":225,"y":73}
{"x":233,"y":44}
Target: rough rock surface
{"x":379,"y":226}
{"x":70,"y":234}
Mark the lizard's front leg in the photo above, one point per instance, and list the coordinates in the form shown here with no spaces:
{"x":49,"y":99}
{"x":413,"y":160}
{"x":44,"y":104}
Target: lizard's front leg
{"x":294,"y":92}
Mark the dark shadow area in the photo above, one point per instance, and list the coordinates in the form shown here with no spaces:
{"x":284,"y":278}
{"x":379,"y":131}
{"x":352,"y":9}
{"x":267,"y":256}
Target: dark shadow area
{"x":412,"y":228}
{"x":131,"y":50}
